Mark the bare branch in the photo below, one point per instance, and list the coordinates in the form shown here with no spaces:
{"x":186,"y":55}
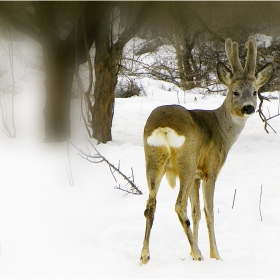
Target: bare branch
{"x":90,"y":72}
{"x":11,"y":58}
{"x":84,"y":95}
{"x":124,"y":190}
{"x":25,"y":28}
{"x":206,"y":26}
{"x":113,"y":173}
{"x":262,"y":115}
{"x":80,"y":86}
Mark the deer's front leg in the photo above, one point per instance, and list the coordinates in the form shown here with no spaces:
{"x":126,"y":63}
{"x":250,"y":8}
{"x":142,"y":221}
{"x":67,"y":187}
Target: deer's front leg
{"x":208,"y":193}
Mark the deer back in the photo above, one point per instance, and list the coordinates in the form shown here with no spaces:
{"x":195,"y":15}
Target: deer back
{"x":193,"y":135}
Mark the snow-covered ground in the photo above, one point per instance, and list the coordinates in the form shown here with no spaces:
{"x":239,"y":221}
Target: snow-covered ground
{"x":50,"y":228}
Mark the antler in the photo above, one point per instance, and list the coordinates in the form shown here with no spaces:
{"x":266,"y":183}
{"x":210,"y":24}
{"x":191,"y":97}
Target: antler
{"x":250,"y":66}
{"x":233,"y":57}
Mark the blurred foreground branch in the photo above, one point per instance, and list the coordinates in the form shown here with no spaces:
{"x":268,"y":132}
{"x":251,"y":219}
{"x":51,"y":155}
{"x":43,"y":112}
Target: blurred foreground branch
{"x":4,"y":117}
{"x":10,"y":130}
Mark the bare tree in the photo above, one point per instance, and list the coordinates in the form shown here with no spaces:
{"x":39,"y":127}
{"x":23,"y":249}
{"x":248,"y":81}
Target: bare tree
{"x":113,"y":32}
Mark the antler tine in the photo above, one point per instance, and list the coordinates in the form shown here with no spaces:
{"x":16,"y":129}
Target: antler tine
{"x":228,"y":44}
{"x":250,"y":65}
{"x":233,"y":57}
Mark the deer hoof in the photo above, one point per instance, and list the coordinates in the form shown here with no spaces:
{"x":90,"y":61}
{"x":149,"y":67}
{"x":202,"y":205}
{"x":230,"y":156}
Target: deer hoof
{"x":215,"y":255}
{"x":197,"y":257}
{"x":218,"y":258}
{"x":144,"y":259}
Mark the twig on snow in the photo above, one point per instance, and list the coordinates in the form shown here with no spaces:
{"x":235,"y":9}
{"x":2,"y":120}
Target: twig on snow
{"x":127,"y":191}
{"x":178,"y":97}
{"x":233,"y":199}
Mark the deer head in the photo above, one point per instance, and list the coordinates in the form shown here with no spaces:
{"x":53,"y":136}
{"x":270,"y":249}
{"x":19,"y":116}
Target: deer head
{"x":242,"y":84}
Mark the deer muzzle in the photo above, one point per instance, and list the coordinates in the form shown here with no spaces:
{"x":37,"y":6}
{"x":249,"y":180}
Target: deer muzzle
{"x":248,"y":109}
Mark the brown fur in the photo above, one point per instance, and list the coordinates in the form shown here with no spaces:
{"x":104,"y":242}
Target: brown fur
{"x":208,"y":135}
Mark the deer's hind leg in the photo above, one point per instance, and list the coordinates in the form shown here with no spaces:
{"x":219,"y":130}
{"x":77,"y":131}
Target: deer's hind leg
{"x":156,"y":161}
{"x":195,"y":206}
{"x":187,"y":178}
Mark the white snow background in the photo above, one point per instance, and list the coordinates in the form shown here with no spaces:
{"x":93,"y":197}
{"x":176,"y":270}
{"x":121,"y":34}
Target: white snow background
{"x":52,"y":229}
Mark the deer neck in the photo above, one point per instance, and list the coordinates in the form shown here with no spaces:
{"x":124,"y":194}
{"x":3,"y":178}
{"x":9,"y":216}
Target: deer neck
{"x":230,"y":126}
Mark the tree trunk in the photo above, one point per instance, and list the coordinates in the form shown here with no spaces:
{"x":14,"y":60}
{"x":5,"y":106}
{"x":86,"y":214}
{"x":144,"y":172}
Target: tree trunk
{"x":59,"y":61}
{"x":189,"y":62}
{"x":107,"y":58}
{"x":104,"y":96}
{"x":180,"y":65}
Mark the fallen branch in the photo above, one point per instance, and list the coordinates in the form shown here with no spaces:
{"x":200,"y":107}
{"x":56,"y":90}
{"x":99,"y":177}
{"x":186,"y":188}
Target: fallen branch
{"x":98,"y":158}
{"x":127,"y":191}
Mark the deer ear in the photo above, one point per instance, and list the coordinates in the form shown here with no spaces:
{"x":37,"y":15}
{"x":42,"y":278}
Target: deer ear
{"x":224,"y":74}
{"x":264,"y":74}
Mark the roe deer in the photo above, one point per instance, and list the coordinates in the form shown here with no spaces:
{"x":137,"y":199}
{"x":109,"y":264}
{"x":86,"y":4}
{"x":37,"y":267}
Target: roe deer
{"x":193,"y":145}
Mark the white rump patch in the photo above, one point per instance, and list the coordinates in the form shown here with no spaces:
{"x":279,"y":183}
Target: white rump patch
{"x":165,"y":136}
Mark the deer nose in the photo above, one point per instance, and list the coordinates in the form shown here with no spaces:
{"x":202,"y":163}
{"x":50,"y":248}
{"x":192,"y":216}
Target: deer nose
{"x":248,"y":109}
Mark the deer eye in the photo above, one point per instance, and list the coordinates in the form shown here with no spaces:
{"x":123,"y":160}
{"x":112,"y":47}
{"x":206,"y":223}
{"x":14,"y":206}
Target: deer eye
{"x":255,"y":93}
{"x":236,"y":93}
